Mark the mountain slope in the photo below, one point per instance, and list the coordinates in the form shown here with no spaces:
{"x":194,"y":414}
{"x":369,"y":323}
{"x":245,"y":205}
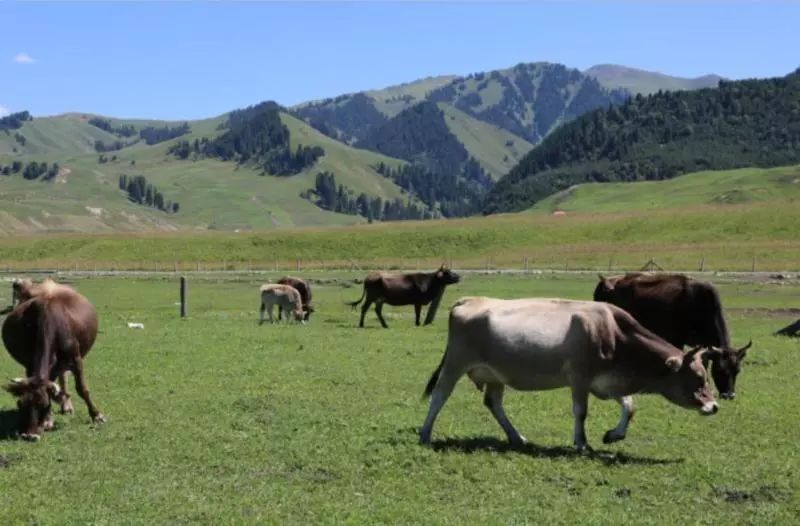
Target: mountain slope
{"x":528,"y":100}
{"x":639,"y":81}
{"x":743,"y":123}
{"x":496,"y":149}
{"x":85,"y":197}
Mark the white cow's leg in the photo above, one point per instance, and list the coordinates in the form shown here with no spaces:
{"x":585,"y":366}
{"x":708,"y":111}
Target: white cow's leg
{"x":618,"y":433}
{"x":269,"y":311}
{"x":441,"y":392}
{"x":261,"y":313}
{"x":580,"y":408}
{"x":493,"y":399}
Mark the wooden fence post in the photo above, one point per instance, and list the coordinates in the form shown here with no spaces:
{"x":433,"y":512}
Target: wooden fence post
{"x":184,"y":297}
{"x":702,"y":263}
{"x":753,"y":269}
{"x":526,"y":264}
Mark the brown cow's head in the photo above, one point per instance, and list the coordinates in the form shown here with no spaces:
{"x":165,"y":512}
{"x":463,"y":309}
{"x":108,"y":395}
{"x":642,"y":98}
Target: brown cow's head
{"x":22,"y":290}
{"x":725,"y":366}
{"x":447,"y":276}
{"x":687,"y":384}
{"x":33,"y":401}
{"x":307,"y":312}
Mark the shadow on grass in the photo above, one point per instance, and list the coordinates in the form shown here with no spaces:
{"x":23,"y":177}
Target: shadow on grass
{"x":8,"y":424}
{"x":481,"y":444}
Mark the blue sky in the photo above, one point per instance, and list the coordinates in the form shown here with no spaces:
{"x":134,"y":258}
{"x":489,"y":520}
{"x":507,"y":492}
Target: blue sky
{"x":193,"y":60}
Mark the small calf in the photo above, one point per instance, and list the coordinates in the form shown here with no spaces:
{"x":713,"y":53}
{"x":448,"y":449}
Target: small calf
{"x":287,"y":298}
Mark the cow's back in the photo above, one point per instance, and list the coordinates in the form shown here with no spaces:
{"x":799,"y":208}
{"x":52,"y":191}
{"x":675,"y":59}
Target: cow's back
{"x":56,"y":312}
{"x":529,"y":344}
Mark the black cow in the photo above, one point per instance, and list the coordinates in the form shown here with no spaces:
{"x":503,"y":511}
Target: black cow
{"x":683,"y":311}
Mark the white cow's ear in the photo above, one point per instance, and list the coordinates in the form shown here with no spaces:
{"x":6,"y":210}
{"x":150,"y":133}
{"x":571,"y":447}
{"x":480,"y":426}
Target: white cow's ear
{"x":674,"y":363}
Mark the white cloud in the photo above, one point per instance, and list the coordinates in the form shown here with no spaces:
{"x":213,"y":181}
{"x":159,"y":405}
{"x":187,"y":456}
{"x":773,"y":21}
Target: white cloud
{"x":4,"y":111}
{"x":24,"y":58}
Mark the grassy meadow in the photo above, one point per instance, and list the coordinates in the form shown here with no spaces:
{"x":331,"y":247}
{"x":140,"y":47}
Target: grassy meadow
{"x":724,"y":237}
{"x":215,"y":195}
{"x":213,"y":419}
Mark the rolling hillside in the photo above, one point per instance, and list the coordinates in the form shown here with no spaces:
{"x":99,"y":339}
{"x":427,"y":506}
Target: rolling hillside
{"x":638,"y":81}
{"x":723,"y":187}
{"x":85,"y":197}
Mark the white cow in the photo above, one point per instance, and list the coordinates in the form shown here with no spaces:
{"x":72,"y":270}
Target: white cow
{"x":285,"y":297}
{"x":539,"y":344}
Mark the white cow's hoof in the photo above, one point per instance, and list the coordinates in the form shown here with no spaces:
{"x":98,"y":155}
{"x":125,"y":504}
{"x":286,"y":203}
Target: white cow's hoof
{"x":30,"y":437}
{"x":99,"y":419}
{"x":520,"y":441}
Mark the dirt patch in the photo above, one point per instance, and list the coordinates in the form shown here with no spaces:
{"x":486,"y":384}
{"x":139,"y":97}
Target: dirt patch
{"x":62,"y":175}
{"x":741,"y":496}
{"x":766,"y":313}
{"x":7,"y":460}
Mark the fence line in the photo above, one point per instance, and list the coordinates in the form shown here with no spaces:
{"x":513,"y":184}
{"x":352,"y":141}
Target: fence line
{"x":524,"y":264}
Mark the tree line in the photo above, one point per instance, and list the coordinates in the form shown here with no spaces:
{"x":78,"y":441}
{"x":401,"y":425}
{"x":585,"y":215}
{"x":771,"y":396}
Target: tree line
{"x":253,"y":135}
{"x":456,"y":194}
{"x":153,"y":135}
{"x":739,"y":124}
{"x":329,"y":195}
{"x":125,"y":130}
{"x":143,"y":193}
{"x":15,"y":121}
{"x":32,"y":170}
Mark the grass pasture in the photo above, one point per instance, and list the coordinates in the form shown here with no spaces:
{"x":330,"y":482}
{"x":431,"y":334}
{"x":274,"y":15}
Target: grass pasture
{"x":214,"y":419}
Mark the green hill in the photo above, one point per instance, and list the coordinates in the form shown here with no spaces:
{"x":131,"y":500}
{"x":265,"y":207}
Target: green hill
{"x":639,"y":81}
{"x":734,"y":187}
{"x":739,"y":124}
{"x":85,"y":197}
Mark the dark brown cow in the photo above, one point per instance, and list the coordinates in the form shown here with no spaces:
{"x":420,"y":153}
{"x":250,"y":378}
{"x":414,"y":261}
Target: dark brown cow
{"x":417,"y":289}
{"x":683,"y":311}
{"x":305,"y":294}
{"x":49,"y":332}
{"x":541,"y":344}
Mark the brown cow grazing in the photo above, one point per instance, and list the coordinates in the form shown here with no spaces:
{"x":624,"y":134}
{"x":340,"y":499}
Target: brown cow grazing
{"x":301,"y":286}
{"x":683,"y":311}
{"x":49,"y":332}
{"x":285,"y":297}
{"x":540,"y":344}
{"x":416,"y":289}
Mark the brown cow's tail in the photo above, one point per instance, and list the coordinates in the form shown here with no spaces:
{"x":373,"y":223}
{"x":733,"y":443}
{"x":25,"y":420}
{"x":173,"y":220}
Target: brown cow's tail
{"x":354,"y":304}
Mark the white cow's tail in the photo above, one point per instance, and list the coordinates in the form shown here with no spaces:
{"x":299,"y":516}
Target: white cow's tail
{"x":434,"y":378}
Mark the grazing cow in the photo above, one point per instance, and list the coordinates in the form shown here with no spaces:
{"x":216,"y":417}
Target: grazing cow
{"x":21,"y":290}
{"x":539,"y":344}
{"x":416,"y":289}
{"x":304,"y":289}
{"x":683,"y":311}
{"x":49,"y":332}
{"x":285,"y":297}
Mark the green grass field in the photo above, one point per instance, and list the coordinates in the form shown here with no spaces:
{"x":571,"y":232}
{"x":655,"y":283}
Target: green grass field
{"x":214,"y":419}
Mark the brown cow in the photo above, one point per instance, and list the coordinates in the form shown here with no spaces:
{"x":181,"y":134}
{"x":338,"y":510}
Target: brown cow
{"x":49,"y":332}
{"x":304,"y":289}
{"x":541,"y":344}
{"x":416,"y":289}
{"x":683,"y":311}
